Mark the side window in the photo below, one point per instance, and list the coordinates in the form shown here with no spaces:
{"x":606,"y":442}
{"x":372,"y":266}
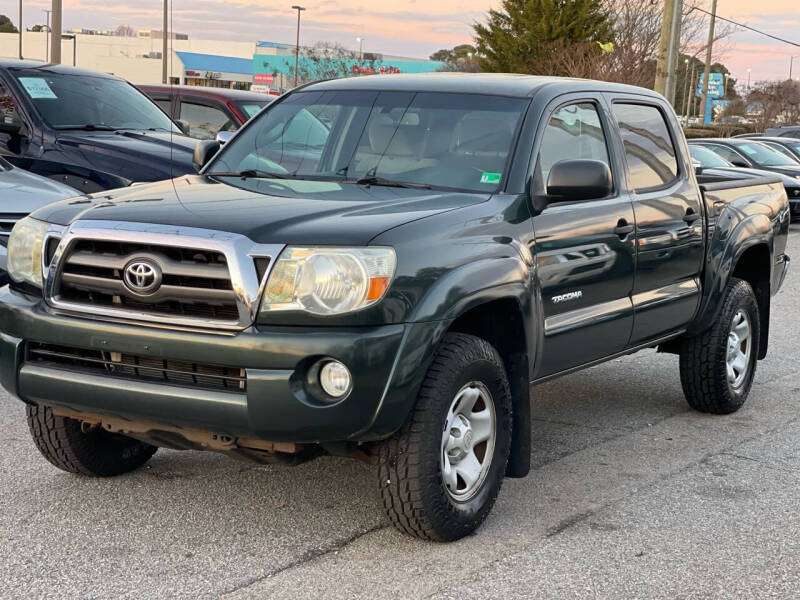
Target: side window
{"x":205,"y":121}
{"x":573,"y":131}
{"x":649,"y":151}
{"x":730,"y":155}
{"x":164,"y":104}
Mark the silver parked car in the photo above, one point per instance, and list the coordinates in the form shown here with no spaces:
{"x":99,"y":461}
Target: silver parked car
{"x":22,"y":192}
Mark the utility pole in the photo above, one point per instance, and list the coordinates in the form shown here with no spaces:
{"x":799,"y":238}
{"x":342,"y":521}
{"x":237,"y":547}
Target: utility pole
{"x":690,"y":93}
{"x":20,"y":32}
{"x":707,"y":70}
{"x":164,"y":45}
{"x":668,"y":45}
{"x":299,"y":9}
{"x":47,"y":36}
{"x":55,"y":34}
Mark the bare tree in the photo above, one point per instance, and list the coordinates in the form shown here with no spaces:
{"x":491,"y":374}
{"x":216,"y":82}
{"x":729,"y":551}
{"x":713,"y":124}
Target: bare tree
{"x":778,"y":102}
{"x":125,"y":31}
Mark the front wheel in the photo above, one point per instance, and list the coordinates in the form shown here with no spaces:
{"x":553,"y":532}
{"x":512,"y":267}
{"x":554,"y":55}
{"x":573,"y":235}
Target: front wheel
{"x":86,"y":451}
{"x":718,"y":366}
{"x":440,"y":474}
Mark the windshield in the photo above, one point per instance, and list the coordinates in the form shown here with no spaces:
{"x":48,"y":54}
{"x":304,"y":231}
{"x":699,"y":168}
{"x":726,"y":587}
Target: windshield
{"x":437,"y":140}
{"x":765,"y":156}
{"x":67,"y":101}
{"x":251,"y":109}
{"x":707,"y":158}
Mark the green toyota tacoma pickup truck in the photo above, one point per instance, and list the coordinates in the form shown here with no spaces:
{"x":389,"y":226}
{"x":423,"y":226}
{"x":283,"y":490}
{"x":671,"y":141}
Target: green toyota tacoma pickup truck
{"x":384,"y":268}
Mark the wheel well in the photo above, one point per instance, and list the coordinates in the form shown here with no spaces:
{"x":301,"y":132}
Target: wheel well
{"x":753,"y":267}
{"x":500,"y":323}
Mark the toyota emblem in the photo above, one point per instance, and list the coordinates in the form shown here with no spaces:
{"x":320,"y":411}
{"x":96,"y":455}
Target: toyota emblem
{"x":142,"y":277}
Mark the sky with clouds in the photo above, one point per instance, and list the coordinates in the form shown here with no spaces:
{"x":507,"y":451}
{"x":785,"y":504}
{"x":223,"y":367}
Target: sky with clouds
{"x":407,"y":27}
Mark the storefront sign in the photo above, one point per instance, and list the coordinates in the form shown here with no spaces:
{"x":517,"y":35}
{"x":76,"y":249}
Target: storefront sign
{"x":263,"y":78}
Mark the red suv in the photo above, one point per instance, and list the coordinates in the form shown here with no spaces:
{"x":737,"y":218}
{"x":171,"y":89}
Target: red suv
{"x":203,"y":111}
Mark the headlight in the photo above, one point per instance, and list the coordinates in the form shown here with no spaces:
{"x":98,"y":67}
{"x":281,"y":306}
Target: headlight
{"x":25,"y":251}
{"x":329,"y":281}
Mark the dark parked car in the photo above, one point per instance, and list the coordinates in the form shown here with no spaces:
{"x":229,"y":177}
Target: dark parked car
{"x":392,"y":288}
{"x":751,"y":154}
{"x":792,"y":131}
{"x":90,"y":130}
{"x":21,"y":193}
{"x":714,"y":165}
{"x":203,"y":111}
{"x":787,"y":145}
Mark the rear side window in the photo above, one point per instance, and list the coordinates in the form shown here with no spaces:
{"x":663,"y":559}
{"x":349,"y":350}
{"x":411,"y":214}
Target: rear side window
{"x":573,"y":131}
{"x":649,"y":152}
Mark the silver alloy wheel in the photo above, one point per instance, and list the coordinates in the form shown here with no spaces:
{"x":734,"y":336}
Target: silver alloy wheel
{"x":468,"y":441}
{"x":740,"y":346}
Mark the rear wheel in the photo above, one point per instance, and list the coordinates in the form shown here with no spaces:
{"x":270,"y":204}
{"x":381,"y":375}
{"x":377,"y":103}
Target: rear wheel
{"x":717,"y":367}
{"x":440,"y":474}
{"x":91,"y":452}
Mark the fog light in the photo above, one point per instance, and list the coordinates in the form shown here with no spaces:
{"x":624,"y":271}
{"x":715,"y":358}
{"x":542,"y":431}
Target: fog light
{"x":335,"y":379}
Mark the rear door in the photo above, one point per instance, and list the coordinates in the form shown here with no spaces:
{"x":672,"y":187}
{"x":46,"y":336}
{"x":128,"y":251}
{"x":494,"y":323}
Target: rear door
{"x":669,"y":218}
{"x":584,"y":250}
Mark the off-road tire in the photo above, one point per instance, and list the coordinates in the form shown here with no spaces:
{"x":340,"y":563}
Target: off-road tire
{"x":94,"y":453}
{"x":703,"y":358}
{"x":409,"y":463}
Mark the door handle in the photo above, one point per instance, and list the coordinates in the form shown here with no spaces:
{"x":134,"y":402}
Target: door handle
{"x":623,"y":229}
{"x":691,"y":216}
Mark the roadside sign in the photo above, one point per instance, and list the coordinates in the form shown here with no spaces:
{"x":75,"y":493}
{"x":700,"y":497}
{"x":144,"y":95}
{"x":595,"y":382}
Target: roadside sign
{"x":262,"y":89}
{"x":263,"y":78}
{"x":716,"y":85}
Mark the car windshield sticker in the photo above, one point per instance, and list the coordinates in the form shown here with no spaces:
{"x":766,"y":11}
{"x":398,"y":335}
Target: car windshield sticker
{"x":491,"y":178}
{"x":37,"y":87}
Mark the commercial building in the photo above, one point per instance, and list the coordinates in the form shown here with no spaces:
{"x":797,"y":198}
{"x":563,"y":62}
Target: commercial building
{"x":263,"y":66}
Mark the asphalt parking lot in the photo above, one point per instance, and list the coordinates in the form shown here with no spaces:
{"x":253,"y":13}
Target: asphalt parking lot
{"x":632,"y":495}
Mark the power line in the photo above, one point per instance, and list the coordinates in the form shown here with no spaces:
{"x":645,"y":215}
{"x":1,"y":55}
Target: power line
{"x":742,"y":25}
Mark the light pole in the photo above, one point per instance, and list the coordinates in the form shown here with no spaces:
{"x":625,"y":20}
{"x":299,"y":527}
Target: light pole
{"x":686,"y":86}
{"x":47,"y":38}
{"x":299,"y":9}
{"x":791,"y":62}
{"x":55,"y":33}
{"x":748,"y":80}
{"x":20,"y":30}
{"x":690,"y":94}
{"x":164,"y":42}
{"x":360,"y":41}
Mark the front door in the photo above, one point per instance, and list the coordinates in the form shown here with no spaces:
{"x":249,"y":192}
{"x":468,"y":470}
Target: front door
{"x":669,"y":221}
{"x":584,"y":250}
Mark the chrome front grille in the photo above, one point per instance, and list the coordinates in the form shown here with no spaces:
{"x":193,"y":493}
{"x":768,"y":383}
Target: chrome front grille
{"x":130,"y":366}
{"x":7,"y":222}
{"x":195,"y":283}
{"x":156,"y":273}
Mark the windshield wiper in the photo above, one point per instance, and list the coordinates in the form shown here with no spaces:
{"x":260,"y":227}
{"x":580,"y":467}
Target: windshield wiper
{"x":249,"y":174}
{"x":89,"y":127}
{"x":373,"y":180}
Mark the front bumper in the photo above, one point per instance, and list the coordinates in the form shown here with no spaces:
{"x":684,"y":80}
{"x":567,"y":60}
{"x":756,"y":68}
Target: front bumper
{"x":387,"y":364}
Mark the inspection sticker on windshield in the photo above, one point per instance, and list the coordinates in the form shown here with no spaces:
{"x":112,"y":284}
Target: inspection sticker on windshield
{"x":491,"y":178}
{"x":37,"y":87}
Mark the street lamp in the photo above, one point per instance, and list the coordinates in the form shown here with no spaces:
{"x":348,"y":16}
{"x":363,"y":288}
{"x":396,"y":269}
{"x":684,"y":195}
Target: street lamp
{"x":299,"y":9}
{"x":360,"y":41}
{"x":791,"y":64}
{"x":748,"y":80}
{"x":47,"y":39}
{"x":686,"y":87}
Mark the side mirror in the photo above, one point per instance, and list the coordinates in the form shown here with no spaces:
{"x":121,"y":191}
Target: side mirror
{"x":738,"y":162}
{"x":579,"y":179}
{"x":203,"y":152}
{"x":223,"y":137}
{"x":183,"y":126}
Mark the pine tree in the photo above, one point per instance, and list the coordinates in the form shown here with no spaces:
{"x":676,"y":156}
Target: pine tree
{"x":523,"y":35}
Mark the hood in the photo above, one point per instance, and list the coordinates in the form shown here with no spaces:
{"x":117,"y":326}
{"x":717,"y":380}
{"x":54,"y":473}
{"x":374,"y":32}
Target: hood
{"x":271,"y":211}
{"x":136,"y":155}
{"x":788,"y":180}
{"x":22,"y":192}
{"x":792,"y":172}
